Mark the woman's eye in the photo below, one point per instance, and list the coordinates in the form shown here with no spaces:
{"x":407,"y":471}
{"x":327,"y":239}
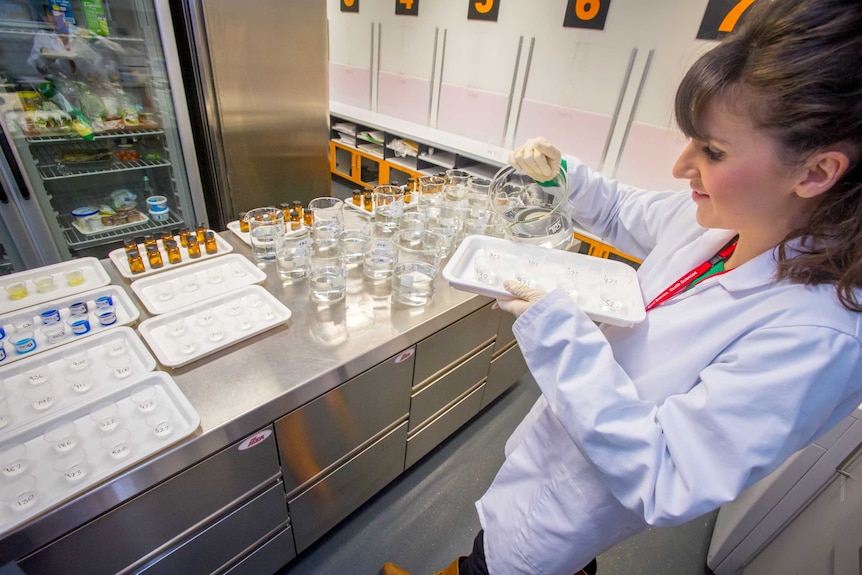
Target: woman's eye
{"x":712,"y":154}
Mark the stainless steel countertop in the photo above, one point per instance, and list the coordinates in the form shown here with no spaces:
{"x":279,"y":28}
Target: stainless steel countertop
{"x":250,"y":384}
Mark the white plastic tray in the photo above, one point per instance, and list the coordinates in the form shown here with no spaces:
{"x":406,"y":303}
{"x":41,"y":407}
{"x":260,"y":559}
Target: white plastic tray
{"x":245,"y":236}
{"x":212,"y":278}
{"x":118,"y":256}
{"x":95,"y":276}
{"x":359,"y":209}
{"x":608,"y":291}
{"x":124,"y":308}
{"x":66,"y":390}
{"x":241,"y":314}
{"x":52,"y":487}
{"x":100,"y":228}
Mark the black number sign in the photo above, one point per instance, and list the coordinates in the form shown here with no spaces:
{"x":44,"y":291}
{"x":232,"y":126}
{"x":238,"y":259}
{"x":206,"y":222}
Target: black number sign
{"x":350,"y":5}
{"x":407,"y":7}
{"x":722,"y":17}
{"x":483,"y":9}
{"x":586,"y":14}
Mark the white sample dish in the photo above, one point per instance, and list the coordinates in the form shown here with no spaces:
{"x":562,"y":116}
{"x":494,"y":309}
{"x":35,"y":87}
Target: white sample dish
{"x":608,"y":291}
{"x":184,"y":287}
{"x":180,"y":337}
{"x":95,"y":450}
{"x":78,"y":372}
{"x":93,"y":275}
{"x":123,"y":311}
{"x":118,"y":256}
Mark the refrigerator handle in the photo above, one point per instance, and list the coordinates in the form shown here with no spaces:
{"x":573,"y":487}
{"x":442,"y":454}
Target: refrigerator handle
{"x":13,"y":166}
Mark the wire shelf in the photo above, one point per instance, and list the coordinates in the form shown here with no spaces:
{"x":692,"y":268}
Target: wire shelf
{"x":47,"y":158}
{"x":108,"y":134}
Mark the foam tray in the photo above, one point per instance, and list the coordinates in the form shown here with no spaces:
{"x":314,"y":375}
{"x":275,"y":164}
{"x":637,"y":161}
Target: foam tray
{"x":234,"y":271}
{"x":608,"y":291}
{"x":118,"y":257}
{"x":51,"y":486}
{"x":95,"y":276}
{"x":241,"y":314}
{"x":66,"y":391}
{"x":124,"y":308}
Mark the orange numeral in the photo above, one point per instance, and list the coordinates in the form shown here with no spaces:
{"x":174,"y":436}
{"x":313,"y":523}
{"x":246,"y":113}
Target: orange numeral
{"x":408,"y":4}
{"x":484,"y":7}
{"x":348,"y":3}
{"x":729,"y":22}
{"x":587,"y":9}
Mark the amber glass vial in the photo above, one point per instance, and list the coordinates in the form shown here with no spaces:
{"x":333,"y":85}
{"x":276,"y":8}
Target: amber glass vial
{"x":194,"y":248}
{"x":297,"y":205}
{"x":199,"y":233}
{"x":357,"y":198}
{"x":154,"y":257}
{"x":184,"y":237}
{"x":308,"y":217}
{"x":150,"y":241}
{"x":210,"y":244}
{"x":174,"y":255}
{"x":368,"y":200}
{"x":243,"y":223}
{"x":136,"y":262}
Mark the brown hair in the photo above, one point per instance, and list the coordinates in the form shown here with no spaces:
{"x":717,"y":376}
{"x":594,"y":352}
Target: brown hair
{"x":801,"y":63}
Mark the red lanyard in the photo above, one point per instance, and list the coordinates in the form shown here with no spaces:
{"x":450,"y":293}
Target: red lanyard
{"x":686,"y":280}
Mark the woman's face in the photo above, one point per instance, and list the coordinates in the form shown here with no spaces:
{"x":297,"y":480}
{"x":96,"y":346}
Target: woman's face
{"x":737,"y":180}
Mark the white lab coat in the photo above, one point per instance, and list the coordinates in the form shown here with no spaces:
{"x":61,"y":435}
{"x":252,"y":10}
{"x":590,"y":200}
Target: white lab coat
{"x":662,"y":422}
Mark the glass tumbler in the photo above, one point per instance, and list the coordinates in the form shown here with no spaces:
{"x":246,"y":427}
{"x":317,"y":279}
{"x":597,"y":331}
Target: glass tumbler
{"x":266,"y":225}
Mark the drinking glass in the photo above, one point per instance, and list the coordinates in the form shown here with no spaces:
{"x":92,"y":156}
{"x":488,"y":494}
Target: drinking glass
{"x":266,"y":225}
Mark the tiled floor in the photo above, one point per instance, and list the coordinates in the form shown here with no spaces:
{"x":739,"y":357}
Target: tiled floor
{"x":426,"y":517}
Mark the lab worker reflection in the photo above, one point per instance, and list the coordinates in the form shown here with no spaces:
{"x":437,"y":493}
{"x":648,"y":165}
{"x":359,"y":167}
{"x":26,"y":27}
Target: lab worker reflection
{"x":752,"y":346}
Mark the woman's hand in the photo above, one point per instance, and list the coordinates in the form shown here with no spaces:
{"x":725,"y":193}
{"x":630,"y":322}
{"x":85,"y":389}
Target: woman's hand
{"x":538,"y":158}
{"x":525,"y":296}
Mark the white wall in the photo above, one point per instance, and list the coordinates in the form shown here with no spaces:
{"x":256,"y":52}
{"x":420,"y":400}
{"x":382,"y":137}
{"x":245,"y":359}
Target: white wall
{"x":576,"y":76}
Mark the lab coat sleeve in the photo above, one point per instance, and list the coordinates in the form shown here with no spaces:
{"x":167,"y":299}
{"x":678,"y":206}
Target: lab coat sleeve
{"x":628,"y":218}
{"x":770,"y":393}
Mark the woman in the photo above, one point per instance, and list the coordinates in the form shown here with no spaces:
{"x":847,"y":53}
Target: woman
{"x":660,"y":423}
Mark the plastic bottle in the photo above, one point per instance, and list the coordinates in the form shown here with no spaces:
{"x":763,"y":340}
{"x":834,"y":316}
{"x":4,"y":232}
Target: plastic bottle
{"x":148,"y":187}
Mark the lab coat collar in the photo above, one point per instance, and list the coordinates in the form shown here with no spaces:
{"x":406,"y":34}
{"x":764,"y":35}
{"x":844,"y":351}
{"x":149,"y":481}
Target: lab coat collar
{"x":757,"y":272}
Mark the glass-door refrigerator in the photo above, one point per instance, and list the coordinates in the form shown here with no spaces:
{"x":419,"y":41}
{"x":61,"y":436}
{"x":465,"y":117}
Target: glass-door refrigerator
{"x":95,"y":129}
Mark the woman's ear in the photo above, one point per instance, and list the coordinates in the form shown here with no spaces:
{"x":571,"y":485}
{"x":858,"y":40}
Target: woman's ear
{"x":820,"y":172}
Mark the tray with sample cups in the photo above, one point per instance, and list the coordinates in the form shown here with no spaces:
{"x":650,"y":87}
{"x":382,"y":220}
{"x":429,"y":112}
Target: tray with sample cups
{"x":118,"y":257}
{"x":40,"y":328}
{"x":180,"y":337}
{"x":55,"y":459}
{"x":184,"y":287}
{"x":40,"y":285}
{"x":40,"y":386}
{"x":606,"y":290}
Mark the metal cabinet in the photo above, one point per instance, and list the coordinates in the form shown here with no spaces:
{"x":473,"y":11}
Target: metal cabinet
{"x":194,"y":514}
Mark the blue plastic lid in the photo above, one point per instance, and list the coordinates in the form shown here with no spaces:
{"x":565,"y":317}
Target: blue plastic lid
{"x":85,"y":211}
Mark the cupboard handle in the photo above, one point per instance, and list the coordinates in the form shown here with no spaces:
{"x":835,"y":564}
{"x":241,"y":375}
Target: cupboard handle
{"x":848,"y":461}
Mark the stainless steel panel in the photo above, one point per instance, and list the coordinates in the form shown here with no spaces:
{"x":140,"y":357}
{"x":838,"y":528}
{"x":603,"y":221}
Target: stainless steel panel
{"x":320,"y":508}
{"x":505,"y":336}
{"x":447,"y":346}
{"x":506,"y":369}
{"x":434,"y":397}
{"x":268,"y":60}
{"x":318,"y":435}
{"x":209,"y":550}
{"x":269,"y":557}
{"x":444,"y":426}
{"x":134,"y":530}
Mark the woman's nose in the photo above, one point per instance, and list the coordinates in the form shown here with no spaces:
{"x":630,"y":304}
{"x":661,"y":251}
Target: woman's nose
{"x":683,"y":168}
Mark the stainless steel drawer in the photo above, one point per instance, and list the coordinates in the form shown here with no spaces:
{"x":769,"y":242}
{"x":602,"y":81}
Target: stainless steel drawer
{"x":506,"y":369}
{"x":269,"y":557}
{"x":316,"y":436}
{"x":505,"y":335}
{"x":219,"y":544}
{"x":319,"y":508}
{"x":135,"y":530}
{"x":434,"y":397}
{"x":442,"y":427}
{"x":440,"y":351}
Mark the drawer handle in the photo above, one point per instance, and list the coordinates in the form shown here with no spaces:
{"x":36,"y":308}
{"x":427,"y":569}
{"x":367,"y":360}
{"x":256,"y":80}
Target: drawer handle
{"x":848,"y":461}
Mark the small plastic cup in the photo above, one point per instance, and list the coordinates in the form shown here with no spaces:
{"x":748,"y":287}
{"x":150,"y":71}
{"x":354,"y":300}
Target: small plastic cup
{"x":160,"y":422}
{"x":78,"y":324}
{"x":252,"y":300}
{"x":44,"y":284}
{"x":36,"y":373}
{"x":115,"y":345}
{"x":243,"y":322}
{"x":189,"y":282}
{"x":16,"y":291}
{"x":215,"y":275}
{"x":54,"y":333}
{"x":485,"y":270}
{"x":40,"y":397}
{"x":117,"y":443}
{"x":74,"y":277}
{"x":233,"y":306}
{"x":81,"y":380}
{"x":186,"y":343}
{"x":204,"y":315}
{"x":62,"y":436}
{"x":20,"y":494}
{"x":236,"y":270}
{"x":22,"y":340}
{"x":106,"y":416}
{"x":121,"y":365}
{"x":144,"y":398}
{"x":215,"y":331}
{"x":73,"y":466}
{"x":76,"y":359}
{"x":176,"y":326}
{"x":106,"y":315}
{"x":13,"y":460}
{"x":5,"y":413}
{"x":164,"y":291}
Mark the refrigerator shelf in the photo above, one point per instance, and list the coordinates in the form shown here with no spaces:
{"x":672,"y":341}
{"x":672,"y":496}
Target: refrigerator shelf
{"x":108,"y":134}
{"x":54,"y":172}
{"x":78,"y":240}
